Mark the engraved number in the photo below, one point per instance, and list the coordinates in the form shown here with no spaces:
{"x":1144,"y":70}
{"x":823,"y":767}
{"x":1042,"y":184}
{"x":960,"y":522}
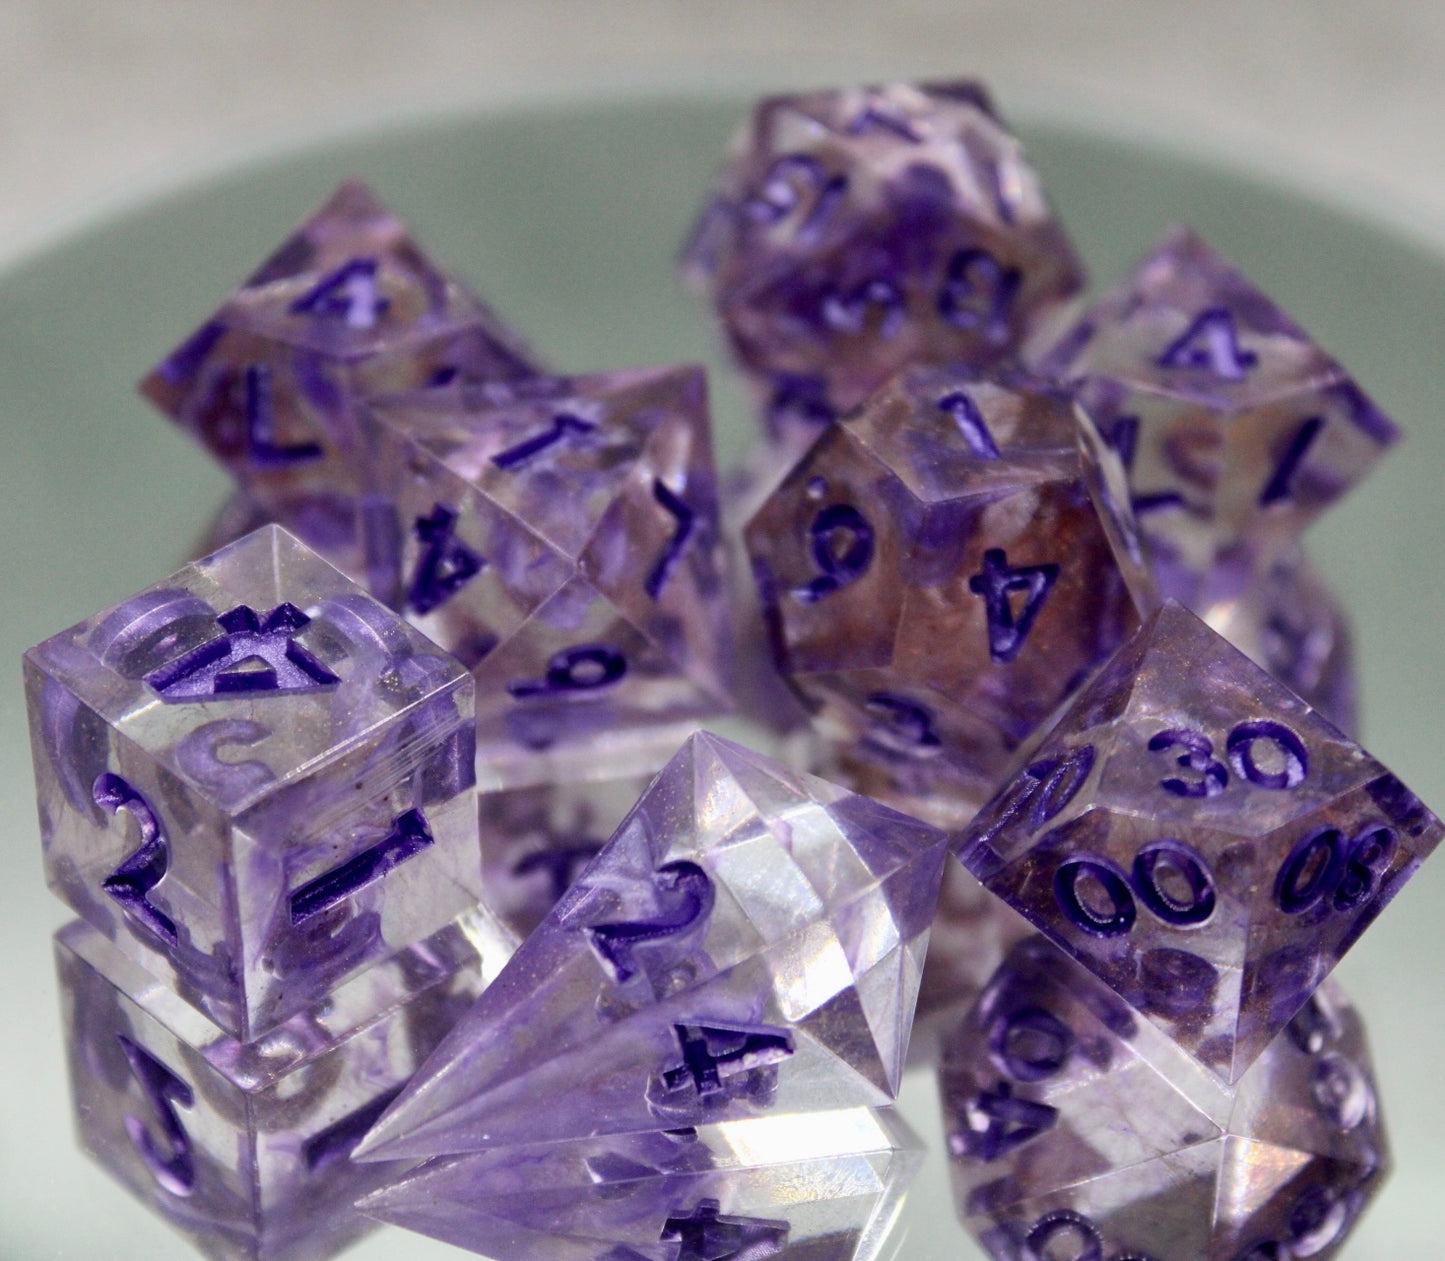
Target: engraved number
{"x":687,"y":896}
{"x":164,"y":1090}
{"x":409,"y":835}
{"x":842,"y":548}
{"x":563,"y":424}
{"x":970,"y":424}
{"x":131,"y":882}
{"x":445,"y":564}
{"x":1324,"y":865}
{"x":996,"y":583}
{"x":685,"y":518}
{"x":1185,"y":901}
{"x":1210,"y":344}
{"x":711,"y":1054}
{"x":583,"y":668}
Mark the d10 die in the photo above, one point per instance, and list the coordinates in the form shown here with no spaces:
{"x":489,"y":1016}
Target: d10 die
{"x":854,"y":232}
{"x":1077,"y":1129}
{"x":942,"y":569}
{"x":564,"y":544}
{"x":1202,"y":840}
{"x":255,"y":780}
{"x":1236,"y":429}
{"x":245,"y":1146}
{"x":347,"y":307}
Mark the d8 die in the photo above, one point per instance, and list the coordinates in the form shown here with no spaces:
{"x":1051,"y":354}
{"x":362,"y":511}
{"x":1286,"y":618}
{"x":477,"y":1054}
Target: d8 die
{"x":1077,"y":1129}
{"x":943,"y":568}
{"x":1236,"y":429}
{"x":245,"y":1146}
{"x":347,"y":307}
{"x":1200,"y":839}
{"x":564,"y":544}
{"x":255,"y":780}
{"x":854,"y":232}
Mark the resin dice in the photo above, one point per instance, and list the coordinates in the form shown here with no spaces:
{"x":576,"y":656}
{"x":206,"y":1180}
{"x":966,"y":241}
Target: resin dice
{"x":826,"y":1185}
{"x":347,"y":307}
{"x":244,"y":1146}
{"x":1200,"y":839}
{"x":564,"y":544}
{"x":255,"y":780}
{"x":748,"y":942}
{"x":854,"y":232}
{"x":1236,"y":429}
{"x":942,"y":569}
{"x":1076,"y":1129}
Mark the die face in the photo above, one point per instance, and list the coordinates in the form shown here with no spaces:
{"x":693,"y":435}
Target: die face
{"x":828,"y":1185}
{"x":1198,"y":837}
{"x":748,"y":942}
{"x":252,"y":797}
{"x":244,"y":1146}
{"x":854,"y":232}
{"x":940,"y":571}
{"x":1236,"y":429}
{"x":348,"y":307}
{"x":1072,"y":1121}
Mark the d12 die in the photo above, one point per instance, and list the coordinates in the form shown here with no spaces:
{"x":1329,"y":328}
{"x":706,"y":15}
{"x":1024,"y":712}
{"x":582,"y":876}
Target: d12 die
{"x":245,"y":1146}
{"x":943,"y":568}
{"x":1077,"y":1129}
{"x":1198,"y":837}
{"x":347,"y":307}
{"x":564,"y":544}
{"x":854,"y":232}
{"x":255,"y":780}
{"x":1236,"y":429}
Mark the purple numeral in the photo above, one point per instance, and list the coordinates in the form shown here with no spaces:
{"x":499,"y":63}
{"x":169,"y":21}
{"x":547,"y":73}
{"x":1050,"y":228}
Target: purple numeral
{"x":1162,"y":899}
{"x":336,"y":1142}
{"x":970,"y":424}
{"x":349,"y":293}
{"x":711,"y":1054}
{"x":1198,"y":756}
{"x":1278,"y":486}
{"x":1030,"y":1044}
{"x":841,"y":542}
{"x":1289,"y":747}
{"x":979,"y":294}
{"x":130,"y":883}
{"x":1166,"y":901}
{"x":1210,"y":344}
{"x":707,"y":1236}
{"x":686,"y":523}
{"x":849,"y":312}
{"x":261,"y":444}
{"x":562,"y":425}
{"x":257,"y":656}
{"x":902,"y":724}
{"x":1324,"y":865}
{"x":875,"y":113}
{"x":1087,"y":1243}
{"x":997,"y":583}
{"x":784,"y":186}
{"x":1089,"y":915}
{"x":1050,"y":784}
{"x":409,"y":835}
{"x":1008,"y":1123}
{"x":561,"y":863}
{"x":583,"y":668}
{"x":445,"y":564}
{"x":175,"y":1172}
{"x":686,"y":896}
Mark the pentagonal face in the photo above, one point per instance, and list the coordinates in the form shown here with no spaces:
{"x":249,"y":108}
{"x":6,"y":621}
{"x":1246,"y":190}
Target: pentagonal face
{"x":1201,"y":839}
{"x":244,"y":1145}
{"x":254,"y":779}
{"x":854,"y":232}
{"x":1237,"y":430}
{"x":347,"y":307}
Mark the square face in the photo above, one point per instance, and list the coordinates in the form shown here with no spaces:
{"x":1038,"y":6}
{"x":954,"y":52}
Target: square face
{"x":255,"y":779}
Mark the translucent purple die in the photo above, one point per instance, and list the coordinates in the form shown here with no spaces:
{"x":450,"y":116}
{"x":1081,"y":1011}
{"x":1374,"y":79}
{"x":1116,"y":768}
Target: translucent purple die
{"x":1235,"y":428}
{"x":255,"y":780}
{"x":1075,"y":1128}
{"x":854,"y":232}
{"x":941,"y":569}
{"x":1198,"y":837}
{"x":347,"y":307}
{"x":245,"y":1146}
{"x":563,"y":542}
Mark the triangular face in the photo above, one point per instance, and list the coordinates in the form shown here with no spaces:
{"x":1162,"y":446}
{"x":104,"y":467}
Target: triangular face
{"x":826,"y":1186}
{"x":715,"y":962}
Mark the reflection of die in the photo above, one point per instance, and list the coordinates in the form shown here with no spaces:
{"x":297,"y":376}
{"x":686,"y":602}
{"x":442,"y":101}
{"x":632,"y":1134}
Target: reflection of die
{"x":255,"y":780}
{"x":1200,"y":839}
{"x":1073,"y":1125}
{"x":1236,"y":429}
{"x":348,"y":306}
{"x":244,"y":1146}
{"x":942,"y":568}
{"x":854,"y":232}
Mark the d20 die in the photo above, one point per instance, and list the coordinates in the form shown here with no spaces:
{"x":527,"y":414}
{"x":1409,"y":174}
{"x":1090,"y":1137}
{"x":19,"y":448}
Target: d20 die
{"x":564,"y":544}
{"x":1202,"y":840}
{"x":1077,"y":1129}
{"x":255,"y":780}
{"x":244,"y":1146}
{"x":854,"y":232}
{"x":826,"y":1185}
{"x":348,"y":306}
{"x":748,"y":942}
{"x":942,"y":569}
{"x":1236,"y":429}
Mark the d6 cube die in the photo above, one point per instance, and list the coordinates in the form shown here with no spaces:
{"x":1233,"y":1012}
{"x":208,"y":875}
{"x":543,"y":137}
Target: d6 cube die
{"x":255,"y":780}
{"x":244,"y":1145}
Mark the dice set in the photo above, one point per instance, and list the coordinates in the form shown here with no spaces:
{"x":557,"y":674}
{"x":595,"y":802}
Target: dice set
{"x":332,"y":804}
